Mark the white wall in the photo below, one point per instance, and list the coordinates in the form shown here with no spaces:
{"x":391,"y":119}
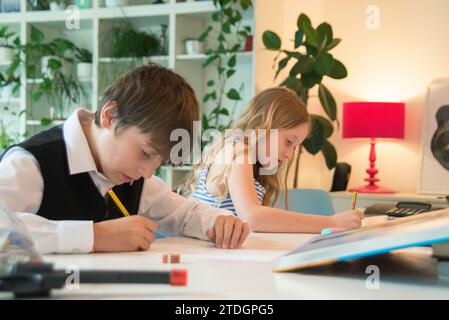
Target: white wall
{"x":394,"y":63}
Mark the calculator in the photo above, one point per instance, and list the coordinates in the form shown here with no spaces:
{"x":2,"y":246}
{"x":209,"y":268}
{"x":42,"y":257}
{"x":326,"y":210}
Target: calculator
{"x":405,"y":209}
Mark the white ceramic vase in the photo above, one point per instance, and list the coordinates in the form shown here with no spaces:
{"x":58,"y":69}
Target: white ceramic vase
{"x":84,"y":70}
{"x":6,"y":54}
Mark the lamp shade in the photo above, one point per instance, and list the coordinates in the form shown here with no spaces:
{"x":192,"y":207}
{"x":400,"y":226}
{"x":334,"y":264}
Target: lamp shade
{"x":373,"y":120}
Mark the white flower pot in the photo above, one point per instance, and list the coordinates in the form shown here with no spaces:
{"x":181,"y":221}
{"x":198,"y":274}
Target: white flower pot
{"x":115,"y":3}
{"x":84,"y":70}
{"x":6,"y":92}
{"x":55,"y":6}
{"x":6,"y":54}
{"x":193,"y":47}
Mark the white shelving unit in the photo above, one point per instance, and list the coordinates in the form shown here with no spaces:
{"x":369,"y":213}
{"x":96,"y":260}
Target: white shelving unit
{"x":184,"y":20}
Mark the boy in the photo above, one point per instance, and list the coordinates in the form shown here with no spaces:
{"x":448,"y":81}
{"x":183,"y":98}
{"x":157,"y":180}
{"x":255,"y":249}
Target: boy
{"x":57,"y":181}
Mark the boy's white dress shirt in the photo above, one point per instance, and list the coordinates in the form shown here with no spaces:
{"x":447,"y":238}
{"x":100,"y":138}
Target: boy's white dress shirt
{"x":22,"y":185}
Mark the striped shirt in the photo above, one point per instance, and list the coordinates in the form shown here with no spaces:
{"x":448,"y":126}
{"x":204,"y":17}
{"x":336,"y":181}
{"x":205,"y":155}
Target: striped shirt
{"x":202,"y":194}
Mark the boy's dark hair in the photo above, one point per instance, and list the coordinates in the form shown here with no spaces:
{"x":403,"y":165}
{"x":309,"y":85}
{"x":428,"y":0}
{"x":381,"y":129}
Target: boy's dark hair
{"x":155,"y":100}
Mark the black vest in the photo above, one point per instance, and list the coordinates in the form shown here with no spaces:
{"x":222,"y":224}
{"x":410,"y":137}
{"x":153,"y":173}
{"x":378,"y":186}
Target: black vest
{"x":74,"y":197}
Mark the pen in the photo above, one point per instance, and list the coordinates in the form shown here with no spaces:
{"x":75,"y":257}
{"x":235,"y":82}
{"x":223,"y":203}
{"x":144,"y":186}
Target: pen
{"x":354,"y":200}
{"x":118,"y":202}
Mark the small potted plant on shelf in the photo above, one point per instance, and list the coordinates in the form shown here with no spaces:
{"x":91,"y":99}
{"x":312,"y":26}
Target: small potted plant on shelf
{"x":6,"y":45}
{"x":130,"y":42}
{"x":84,"y":66}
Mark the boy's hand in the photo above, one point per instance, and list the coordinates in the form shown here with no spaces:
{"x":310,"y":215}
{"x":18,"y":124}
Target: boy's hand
{"x":131,"y":233}
{"x":348,"y":219}
{"x":228,"y":232}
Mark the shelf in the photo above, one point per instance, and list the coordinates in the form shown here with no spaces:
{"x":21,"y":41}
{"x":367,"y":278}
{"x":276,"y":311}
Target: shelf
{"x":12,"y":100}
{"x":35,"y":81}
{"x":114,"y":12}
{"x":5,"y":63}
{"x":131,"y":59}
{"x":38,"y":122}
{"x":185,"y":57}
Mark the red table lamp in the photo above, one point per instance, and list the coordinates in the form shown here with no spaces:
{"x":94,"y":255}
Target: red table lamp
{"x":373,"y":120}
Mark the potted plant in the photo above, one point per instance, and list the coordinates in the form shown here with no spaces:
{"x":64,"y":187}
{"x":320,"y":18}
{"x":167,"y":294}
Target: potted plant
{"x":57,"y":83}
{"x":84,"y":66}
{"x":6,"y":45}
{"x":312,"y":62}
{"x":231,"y":34}
{"x":193,"y":46}
{"x":130,"y":42}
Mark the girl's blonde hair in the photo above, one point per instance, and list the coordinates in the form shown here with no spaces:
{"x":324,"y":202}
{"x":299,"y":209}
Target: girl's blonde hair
{"x":273,"y":108}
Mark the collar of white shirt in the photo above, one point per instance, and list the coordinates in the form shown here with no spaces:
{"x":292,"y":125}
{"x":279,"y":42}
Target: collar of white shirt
{"x":78,"y":152}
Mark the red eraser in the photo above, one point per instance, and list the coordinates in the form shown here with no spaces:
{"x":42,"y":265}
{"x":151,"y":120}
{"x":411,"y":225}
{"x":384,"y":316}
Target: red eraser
{"x":178,"y":277}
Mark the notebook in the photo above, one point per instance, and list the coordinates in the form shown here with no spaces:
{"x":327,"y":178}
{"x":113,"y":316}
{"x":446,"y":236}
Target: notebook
{"x":418,"y":230}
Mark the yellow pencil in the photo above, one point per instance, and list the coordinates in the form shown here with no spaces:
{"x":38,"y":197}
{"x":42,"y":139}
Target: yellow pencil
{"x":118,"y":203}
{"x":354,"y":200}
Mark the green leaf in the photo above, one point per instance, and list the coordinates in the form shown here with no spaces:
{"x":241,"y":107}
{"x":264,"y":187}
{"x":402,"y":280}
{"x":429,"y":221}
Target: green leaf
{"x":216,"y":16}
{"x":230,"y":73}
{"x":328,"y":128}
{"x":246,"y":4}
{"x":210,"y":83}
{"x":233,"y":95}
{"x":205,"y":34}
{"x":302,"y":21}
{"x":36,"y":34}
{"x":206,"y":98}
{"x":325,"y":31}
{"x":328,"y":102}
{"x":333,"y":44}
{"x":282,"y":64}
{"x":271,"y":40}
{"x":311,"y":79}
{"x":298,"y":38}
{"x":46,"y":122}
{"x":36,"y":95}
{"x":304,"y":65}
{"x":224,"y":111}
{"x":205,"y":123}
{"x":315,"y":141}
{"x":293,"y":54}
{"x":226,"y":27}
{"x":330,"y":154}
{"x":210,"y":60}
{"x":324,"y":63}
{"x":338,"y":70}
{"x":313,"y":38}
{"x":232,"y":61}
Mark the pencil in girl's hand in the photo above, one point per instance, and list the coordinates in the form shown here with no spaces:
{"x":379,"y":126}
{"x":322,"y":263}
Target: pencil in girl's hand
{"x":118,"y":202}
{"x":354,"y":200}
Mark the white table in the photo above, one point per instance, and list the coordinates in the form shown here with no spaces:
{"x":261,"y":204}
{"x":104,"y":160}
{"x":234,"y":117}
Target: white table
{"x":246,"y":273}
{"x":341,"y":200}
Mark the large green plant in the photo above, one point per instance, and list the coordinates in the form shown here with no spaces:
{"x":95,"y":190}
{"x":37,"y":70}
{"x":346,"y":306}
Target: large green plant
{"x":312,"y":62}
{"x":59,"y":85}
{"x":230,"y":35}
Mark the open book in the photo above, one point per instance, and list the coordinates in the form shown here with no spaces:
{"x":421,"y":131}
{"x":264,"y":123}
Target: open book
{"x":422,"y":229}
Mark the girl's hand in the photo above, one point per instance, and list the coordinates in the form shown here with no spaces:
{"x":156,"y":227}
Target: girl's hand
{"x":348,"y":219}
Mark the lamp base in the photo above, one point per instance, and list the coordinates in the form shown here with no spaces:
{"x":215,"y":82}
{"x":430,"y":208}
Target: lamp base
{"x":372,"y":189}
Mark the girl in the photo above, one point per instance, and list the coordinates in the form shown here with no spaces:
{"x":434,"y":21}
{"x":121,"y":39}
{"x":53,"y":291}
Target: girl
{"x":241,"y":186}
